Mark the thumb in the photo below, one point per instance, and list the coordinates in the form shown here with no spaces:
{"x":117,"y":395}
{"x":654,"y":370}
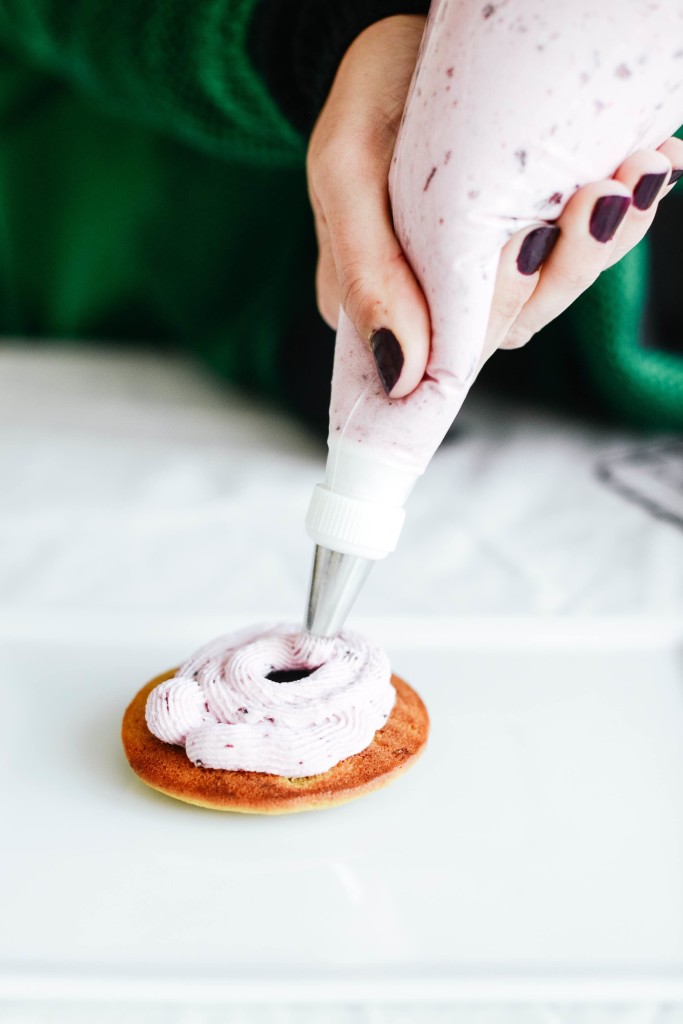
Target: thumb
{"x":378,"y":290}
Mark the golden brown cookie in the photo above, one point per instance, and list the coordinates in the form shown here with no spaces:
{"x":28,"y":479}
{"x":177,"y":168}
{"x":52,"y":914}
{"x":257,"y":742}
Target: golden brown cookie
{"x":394,"y":748}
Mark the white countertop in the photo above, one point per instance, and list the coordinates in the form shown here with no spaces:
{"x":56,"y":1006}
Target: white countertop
{"x":137,"y":516}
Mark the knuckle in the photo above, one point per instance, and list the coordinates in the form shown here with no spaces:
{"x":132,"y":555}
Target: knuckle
{"x":358,"y":301}
{"x":577,"y":278}
{"x":316,"y":147}
{"x":670,"y":147}
{"x":326,"y":307}
{"x":329,"y":315}
{"x":325,"y":296}
{"x":507,"y":307}
{"x":517,"y":337}
{"x":331,"y":161}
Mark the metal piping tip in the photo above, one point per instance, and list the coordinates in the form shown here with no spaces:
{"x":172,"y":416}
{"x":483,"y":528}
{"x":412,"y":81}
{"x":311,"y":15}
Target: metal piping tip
{"x":336,"y":581}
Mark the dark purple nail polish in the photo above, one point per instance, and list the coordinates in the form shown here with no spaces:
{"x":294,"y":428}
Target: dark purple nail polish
{"x":675,"y":175}
{"x":607,"y":215}
{"x":536,"y":247}
{"x":388,"y":356}
{"x":647,"y":190}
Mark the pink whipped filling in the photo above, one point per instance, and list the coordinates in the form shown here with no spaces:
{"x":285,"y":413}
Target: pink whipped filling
{"x":227,"y":713}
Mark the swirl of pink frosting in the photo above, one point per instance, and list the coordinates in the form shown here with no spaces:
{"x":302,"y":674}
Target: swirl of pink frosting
{"x":227,"y":713}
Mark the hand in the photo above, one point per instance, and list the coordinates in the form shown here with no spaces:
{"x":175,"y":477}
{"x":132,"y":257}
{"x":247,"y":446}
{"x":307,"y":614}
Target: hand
{"x":360,"y":262}
{"x":600,"y":224}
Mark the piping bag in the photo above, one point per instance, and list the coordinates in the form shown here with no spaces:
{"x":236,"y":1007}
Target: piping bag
{"x":513,"y":106}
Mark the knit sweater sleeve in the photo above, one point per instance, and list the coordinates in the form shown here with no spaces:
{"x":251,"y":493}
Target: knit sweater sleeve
{"x":297,"y":46}
{"x":181,"y":66}
{"x":242,"y":79}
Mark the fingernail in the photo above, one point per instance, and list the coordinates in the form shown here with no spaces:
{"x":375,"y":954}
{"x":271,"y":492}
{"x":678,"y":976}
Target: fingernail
{"x":607,"y":215}
{"x":675,"y":175}
{"x":536,"y":247}
{"x":388,"y":356}
{"x":647,"y":189}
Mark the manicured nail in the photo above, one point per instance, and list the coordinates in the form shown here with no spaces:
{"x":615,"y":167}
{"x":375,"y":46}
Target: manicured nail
{"x":647,"y":190}
{"x":607,"y":215}
{"x":536,"y":247}
{"x":388,"y":356}
{"x":675,"y":175}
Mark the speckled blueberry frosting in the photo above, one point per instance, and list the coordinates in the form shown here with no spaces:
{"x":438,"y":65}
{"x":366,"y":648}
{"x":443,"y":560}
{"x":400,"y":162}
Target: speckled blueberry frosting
{"x":227,"y":713}
{"x":513,"y":106}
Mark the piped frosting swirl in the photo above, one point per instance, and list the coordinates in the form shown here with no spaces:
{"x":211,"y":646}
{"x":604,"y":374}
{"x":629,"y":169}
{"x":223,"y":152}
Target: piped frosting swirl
{"x":227,"y":713}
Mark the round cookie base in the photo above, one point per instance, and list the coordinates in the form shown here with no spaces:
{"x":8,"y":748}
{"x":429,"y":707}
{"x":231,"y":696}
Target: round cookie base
{"x":395,"y":747}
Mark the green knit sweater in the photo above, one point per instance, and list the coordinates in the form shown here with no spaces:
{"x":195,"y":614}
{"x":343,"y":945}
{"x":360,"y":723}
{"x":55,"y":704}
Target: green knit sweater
{"x":152,"y":188}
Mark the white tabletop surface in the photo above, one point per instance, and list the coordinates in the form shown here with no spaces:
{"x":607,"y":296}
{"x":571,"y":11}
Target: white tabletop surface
{"x":145,"y":508}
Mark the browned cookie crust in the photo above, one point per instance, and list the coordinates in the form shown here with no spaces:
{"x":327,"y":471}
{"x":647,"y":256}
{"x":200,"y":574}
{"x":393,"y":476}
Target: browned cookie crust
{"x":164,"y":767}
